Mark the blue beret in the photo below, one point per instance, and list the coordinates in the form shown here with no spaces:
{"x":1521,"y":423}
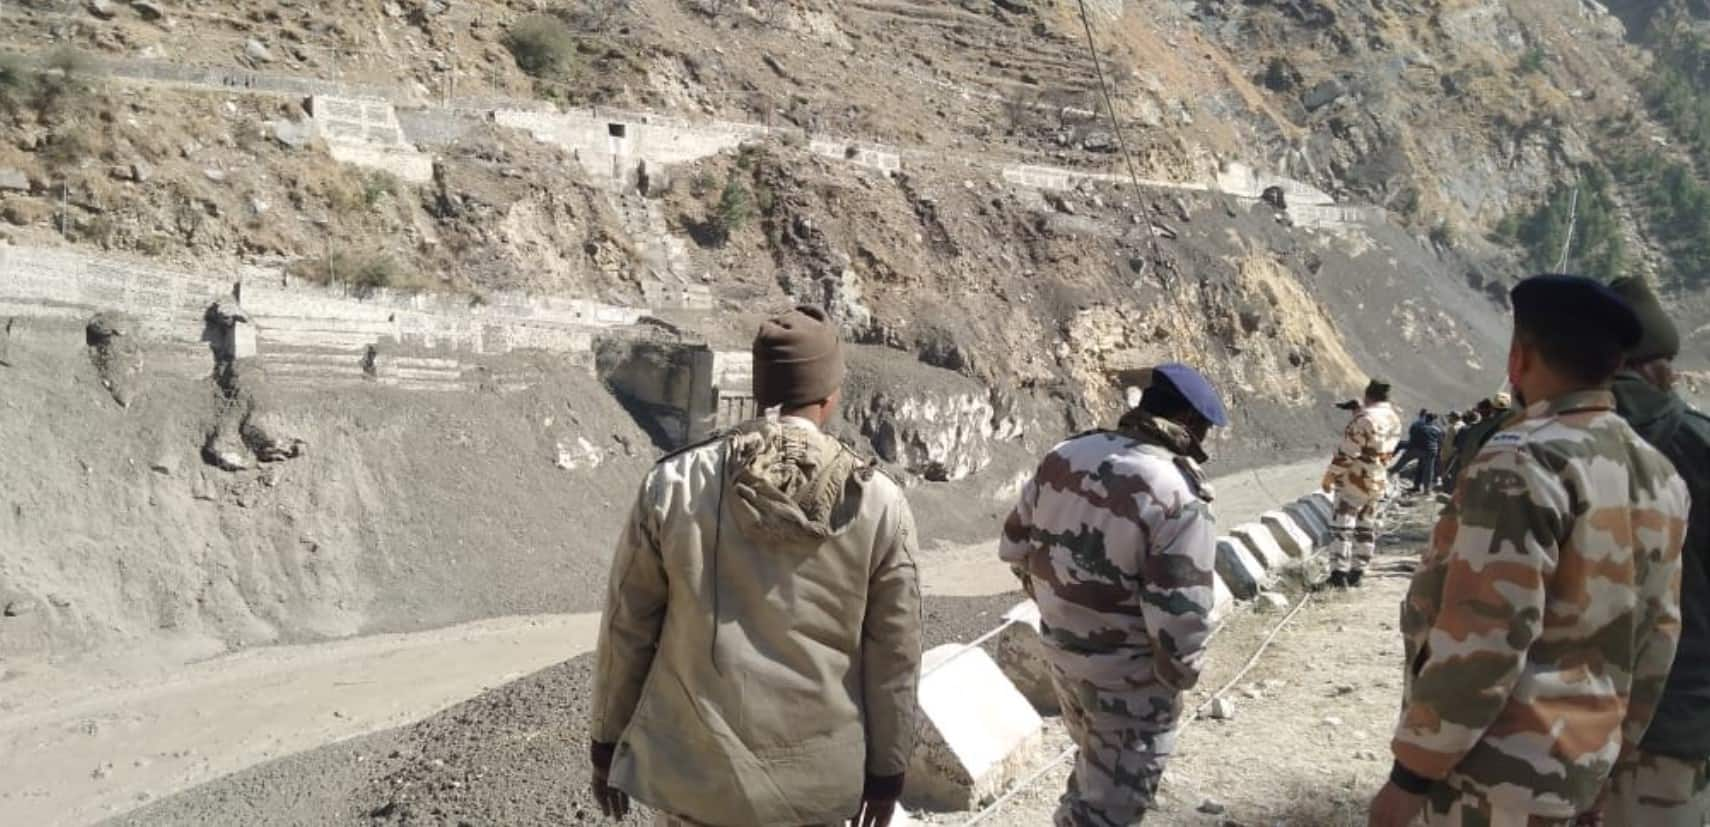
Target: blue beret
{"x":1194,"y":388}
{"x":1578,"y":303}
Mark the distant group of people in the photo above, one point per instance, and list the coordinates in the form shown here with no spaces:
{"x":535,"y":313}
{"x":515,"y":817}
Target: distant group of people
{"x":760,"y":649}
{"x":1436,"y":445}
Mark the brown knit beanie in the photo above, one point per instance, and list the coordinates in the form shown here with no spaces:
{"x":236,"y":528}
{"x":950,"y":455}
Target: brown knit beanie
{"x":798,"y":359}
{"x":1658,"y":338}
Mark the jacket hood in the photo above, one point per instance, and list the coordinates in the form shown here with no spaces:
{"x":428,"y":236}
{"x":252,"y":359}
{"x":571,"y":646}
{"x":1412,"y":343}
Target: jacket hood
{"x":788,"y":484}
{"x":1642,"y":403}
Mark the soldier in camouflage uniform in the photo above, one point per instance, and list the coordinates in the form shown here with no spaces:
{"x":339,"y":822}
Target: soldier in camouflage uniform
{"x":1357,"y":478}
{"x":1541,"y":623}
{"x":1113,"y":537}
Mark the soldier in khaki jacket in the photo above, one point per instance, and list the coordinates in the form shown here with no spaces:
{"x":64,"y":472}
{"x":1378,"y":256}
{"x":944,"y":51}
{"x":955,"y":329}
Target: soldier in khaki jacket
{"x":760,"y":650}
{"x":1540,"y":625}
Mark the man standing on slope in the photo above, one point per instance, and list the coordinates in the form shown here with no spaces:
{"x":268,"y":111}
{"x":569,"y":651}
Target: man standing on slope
{"x":1666,"y":783}
{"x":1358,"y":478}
{"x":1542,"y":620}
{"x":760,"y":649}
{"x":1113,"y":538}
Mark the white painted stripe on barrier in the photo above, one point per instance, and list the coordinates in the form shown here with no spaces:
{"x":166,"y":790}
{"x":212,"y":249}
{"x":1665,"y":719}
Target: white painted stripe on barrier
{"x":1262,"y":544}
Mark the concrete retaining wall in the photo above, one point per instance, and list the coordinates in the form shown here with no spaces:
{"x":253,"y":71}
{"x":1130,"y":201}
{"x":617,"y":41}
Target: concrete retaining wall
{"x":303,"y":329}
{"x":613,"y":144}
{"x":366,"y":133}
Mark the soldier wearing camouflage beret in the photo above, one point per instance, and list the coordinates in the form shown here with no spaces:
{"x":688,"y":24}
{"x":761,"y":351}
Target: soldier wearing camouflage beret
{"x":1113,"y":537}
{"x":1540,"y":625}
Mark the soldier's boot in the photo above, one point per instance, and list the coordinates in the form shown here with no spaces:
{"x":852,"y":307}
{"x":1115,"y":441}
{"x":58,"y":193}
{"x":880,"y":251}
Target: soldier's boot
{"x":1338,"y":580}
{"x":1354,"y":577}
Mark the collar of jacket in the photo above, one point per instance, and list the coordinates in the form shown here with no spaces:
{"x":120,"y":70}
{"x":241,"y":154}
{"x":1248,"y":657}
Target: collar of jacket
{"x":1163,"y":433}
{"x":1595,"y":399}
{"x":1641,"y":402}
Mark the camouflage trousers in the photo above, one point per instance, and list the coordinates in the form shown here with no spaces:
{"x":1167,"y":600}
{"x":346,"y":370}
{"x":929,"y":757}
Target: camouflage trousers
{"x":1353,"y":529}
{"x":1124,"y":737}
{"x":1449,"y":807}
{"x":1659,"y":791}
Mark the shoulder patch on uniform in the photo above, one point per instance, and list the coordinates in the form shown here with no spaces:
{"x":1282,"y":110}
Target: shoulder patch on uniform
{"x":1509,"y":437}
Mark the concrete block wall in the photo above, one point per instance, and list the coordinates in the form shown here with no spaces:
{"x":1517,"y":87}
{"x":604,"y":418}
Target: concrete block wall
{"x":365,"y":132}
{"x":1244,"y":181}
{"x":872,"y":156}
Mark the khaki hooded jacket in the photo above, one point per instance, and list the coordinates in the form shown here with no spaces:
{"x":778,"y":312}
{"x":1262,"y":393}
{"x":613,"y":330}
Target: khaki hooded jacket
{"x":760,"y":652}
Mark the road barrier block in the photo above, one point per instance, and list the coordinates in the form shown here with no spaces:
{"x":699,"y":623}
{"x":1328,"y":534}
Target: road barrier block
{"x":979,"y":735}
{"x":1237,"y":568}
{"x":1021,"y":656}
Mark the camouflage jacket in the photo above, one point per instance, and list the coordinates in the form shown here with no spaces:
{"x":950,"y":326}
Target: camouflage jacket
{"x":1541,"y":623}
{"x":1114,"y":538}
{"x":1368,"y":444}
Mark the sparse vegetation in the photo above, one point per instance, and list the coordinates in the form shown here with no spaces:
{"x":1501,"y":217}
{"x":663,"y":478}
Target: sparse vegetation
{"x":1596,"y":248}
{"x":735,"y":208}
{"x":377,"y":184}
{"x":17,"y":84}
{"x":64,"y":79}
{"x":363,"y":271}
{"x":1676,"y":209}
{"x":1532,"y":61}
{"x":67,"y":147}
{"x":543,"y":46}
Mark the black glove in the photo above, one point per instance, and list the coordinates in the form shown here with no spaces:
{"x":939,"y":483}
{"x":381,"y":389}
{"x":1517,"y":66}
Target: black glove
{"x":613,"y":801}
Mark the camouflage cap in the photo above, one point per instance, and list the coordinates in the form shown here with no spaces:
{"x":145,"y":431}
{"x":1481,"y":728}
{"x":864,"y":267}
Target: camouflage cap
{"x":1193,"y":387}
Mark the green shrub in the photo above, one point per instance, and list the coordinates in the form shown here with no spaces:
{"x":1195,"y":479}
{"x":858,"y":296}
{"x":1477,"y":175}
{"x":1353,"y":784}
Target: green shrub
{"x":1532,"y":61}
{"x":735,"y":208}
{"x":543,"y":46}
{"x":376,"y":184}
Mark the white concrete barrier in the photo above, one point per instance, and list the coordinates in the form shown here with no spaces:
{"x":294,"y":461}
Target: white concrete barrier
{"x":1021,"y":656}
{"x":1238,"y":569}
{"x":979,"y":732}
{"x":1294,"y":541}
{"x":1262,"y":544}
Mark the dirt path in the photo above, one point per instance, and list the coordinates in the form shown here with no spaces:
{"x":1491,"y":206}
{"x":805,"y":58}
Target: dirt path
{"x":76,"y":749}
{"x":1308,"y":744}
